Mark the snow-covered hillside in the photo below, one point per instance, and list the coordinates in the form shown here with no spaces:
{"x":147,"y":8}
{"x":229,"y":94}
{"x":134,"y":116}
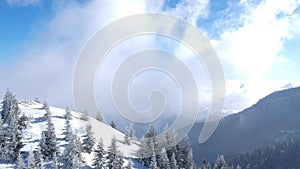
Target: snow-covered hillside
{"x":37,"y":124}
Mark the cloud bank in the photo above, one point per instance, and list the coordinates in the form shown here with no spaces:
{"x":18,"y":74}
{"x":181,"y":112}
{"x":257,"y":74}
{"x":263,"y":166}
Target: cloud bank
{"x":250,"y":41}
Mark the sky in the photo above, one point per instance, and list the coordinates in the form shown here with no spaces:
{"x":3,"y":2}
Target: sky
{"x":257,"y":42}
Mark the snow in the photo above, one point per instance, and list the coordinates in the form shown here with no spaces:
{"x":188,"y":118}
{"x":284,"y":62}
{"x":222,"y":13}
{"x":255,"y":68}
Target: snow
{"x":32,"y":134}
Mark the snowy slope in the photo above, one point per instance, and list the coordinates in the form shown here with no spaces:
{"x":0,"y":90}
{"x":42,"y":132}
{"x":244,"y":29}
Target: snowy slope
{"x":32,"y":134}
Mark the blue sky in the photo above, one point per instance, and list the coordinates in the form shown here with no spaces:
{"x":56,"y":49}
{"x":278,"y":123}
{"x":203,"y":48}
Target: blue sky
{"x":40,"y":40}
{"x":17,"y":26}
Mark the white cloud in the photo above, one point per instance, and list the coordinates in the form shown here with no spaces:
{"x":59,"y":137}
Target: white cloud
{"x":190,"y":10}
{"x":23,"y":2}
{"x":45,"y":67}
{"x":249,"y":51}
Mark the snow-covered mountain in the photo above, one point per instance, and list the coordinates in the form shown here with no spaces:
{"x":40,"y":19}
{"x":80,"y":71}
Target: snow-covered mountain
{"x":274,"y":118}
{"x":241,"y":94}
{"x":32,"y":135}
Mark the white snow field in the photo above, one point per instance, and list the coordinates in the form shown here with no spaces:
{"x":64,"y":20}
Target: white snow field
{"x":32,"y":135}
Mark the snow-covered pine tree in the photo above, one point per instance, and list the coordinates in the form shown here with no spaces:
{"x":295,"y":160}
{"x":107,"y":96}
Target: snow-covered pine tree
{"x":153,"y":162}
{"x":99,"y":116}
{"x":173,"y":163}
{"x":238,"y":167}
{"x":79,"y":150}
{"x":42,"y":146}
{"x":72,"y":158}
{"x":84,"y":116}
{"x":143,"y":150}
{"x":31,"y":161}
{"x":13,"y":140}
{"x":50,"y":137}
{"x":114,"y":160}
{"x":164,"y":160}
{"x":113,"y":124}
{"x":68,"y":114}
{"x":99,"y":159}
{"x":68,"y":129}
{"x":188,"y":155}
{"x":54,"y":163}
{"x":220,"y":163}
{"x":205,"y":165}
{"x":38,"y":158}
{"x":146,"y":146}
{"x":10,"y":108}
{"x":10,"y":114}
{"x":120,"y":161}
{"x":179,"y":156}
{"x":23,"y":122}
{"x":89,"y":140}
{"x":20,"y":163}
{"x":112,"y":154}
{"x":132,"y":133}
{"x":2,"y":141}
{"x":126,"y":136}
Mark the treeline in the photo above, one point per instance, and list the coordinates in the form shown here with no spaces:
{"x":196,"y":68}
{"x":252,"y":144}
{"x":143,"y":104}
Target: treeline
{"x":282,"y":155}
{"x":162,"y":152}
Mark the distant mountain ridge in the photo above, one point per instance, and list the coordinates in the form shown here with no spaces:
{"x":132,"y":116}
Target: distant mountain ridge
{"x":257,"y":126}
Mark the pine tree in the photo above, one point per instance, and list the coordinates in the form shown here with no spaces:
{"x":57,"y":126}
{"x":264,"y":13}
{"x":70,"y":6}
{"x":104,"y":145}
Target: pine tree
{"x":149,"y":142}
{"x":143,"y":151}
{"x":113,"y":124}
{"x":11,"y":122}
{"x":114,"y":160}
{"x":21,"y":164}
{"x":180,"y":159}
{"x":132,"y":133}
{"x":220,"y":163}
{"x":2,"y":141}
{"x":164,"y":161}
{"x":99,"y":159}
{"x":23,"y":122}
{"x":79,"y":150}
{"x":72,"y":155}
{"x":99,"y":116}
{"x":42,"y":146}
{"x":153,"y":160}
{"x":89,"y":140}
{"x":68,"y":129}
{"x":127,"y":136}
{"x":10,"y":108}
{"x":238,"y":167}
{"x":38,"y":158}
{"x":205,"y":165}
{"x":54,"y":162}
{"x":173,"y":163}
{"x":85,"y":116}
{"x":31,"y":161}
{"x":188,"y":153}
{"x":68,"y":114}
{"x":51,"y":146}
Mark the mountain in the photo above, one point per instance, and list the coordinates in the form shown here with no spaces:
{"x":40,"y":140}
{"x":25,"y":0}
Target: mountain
{"x":32,"y":135}
{"x":281,"y":155}
{"x":271,"y":120}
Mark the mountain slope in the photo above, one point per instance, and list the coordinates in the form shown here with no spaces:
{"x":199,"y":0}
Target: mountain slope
{"x":273,"y":119}
{"x":37,"y":124}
